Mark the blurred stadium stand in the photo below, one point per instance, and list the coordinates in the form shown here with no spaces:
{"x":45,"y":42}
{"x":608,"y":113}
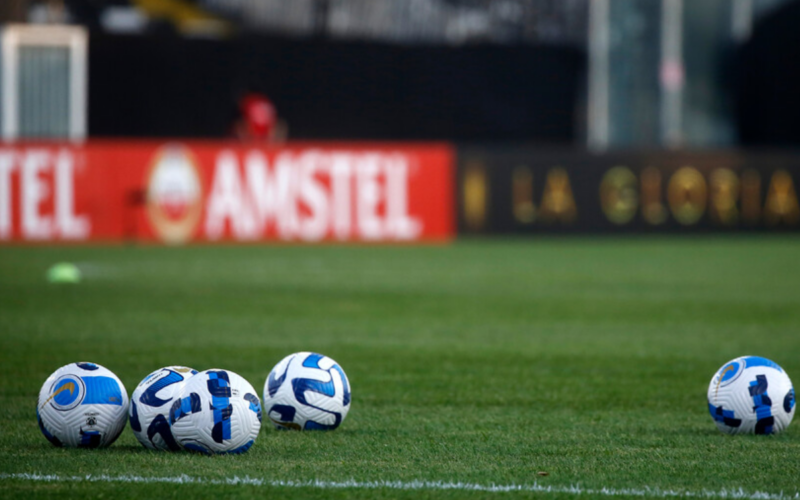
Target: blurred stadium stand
{"x":665,"y":73}
{"x":397,"y":21}
{"x":414,"y":21}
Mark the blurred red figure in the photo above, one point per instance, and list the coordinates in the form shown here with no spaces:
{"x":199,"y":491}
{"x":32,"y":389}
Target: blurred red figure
{"x":259,"y":120}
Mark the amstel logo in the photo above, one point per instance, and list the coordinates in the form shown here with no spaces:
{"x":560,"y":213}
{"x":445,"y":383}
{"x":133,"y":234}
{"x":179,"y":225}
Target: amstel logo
{"x":174,"y":194}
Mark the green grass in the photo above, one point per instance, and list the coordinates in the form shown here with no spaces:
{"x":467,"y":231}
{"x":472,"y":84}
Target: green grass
{"x":482,"y":362}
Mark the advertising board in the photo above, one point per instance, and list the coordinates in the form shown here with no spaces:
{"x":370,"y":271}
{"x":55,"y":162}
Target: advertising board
{"x":534,"y":190}
{"x":179,"y":192}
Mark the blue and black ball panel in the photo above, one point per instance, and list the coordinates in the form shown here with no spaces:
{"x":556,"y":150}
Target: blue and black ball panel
{"x":182,"y":407}
{"x":727,"y":417}
{"x":286,"y":415}
{"x":199,"y":448}
{"x":136,"y":425}
{"x":90,"y":439}
{"x":754,"y":361}
{"x":762,"y":404}
{"x":302,"y":385}
{"x":149,"y":396}
{"x":54,"y":440}
{"x":240,"y":449}
{"x":255,"y":404}
{"x":160,"y":427}
{"x":274,"y":383}
{"x":311,"y":425}
{"x":312,"y":361}
{"x":102,"y":391}
{"x":345,"y":385}
{"x":219,"y":386}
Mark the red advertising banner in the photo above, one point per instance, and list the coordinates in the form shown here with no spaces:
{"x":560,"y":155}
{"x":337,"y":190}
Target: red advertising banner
{"x":180,"y":192}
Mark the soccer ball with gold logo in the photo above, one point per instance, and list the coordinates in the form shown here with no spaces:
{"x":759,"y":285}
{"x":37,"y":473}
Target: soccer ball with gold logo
{"x":751,"y":395}
{"x":82,"y":405}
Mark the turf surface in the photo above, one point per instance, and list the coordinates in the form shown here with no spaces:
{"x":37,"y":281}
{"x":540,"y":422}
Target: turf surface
{"x":481,"y":362}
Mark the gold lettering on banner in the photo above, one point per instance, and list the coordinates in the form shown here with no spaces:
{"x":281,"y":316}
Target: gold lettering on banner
{"x":724,"y":195}
{"x":751,"y":197}
{"x":653,"y":211}
{"x":781,"y":204}
{"x":687,"y":195}
{"x":522,"y":195}
{"x":618,"y":196}
{"x":558,"y":203}
{"x":475,"y":195}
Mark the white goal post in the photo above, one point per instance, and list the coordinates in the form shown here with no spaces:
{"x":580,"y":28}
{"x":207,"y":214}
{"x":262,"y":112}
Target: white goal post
{"x":44,"y":82}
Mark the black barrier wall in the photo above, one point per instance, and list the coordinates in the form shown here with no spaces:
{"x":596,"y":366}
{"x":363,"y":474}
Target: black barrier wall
{"x":530,"y":191}
{"x":768,"y":81}
{"x":176,"y":87}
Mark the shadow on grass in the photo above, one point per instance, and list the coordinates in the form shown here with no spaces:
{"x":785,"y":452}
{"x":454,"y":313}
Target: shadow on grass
{"x":713,"y":433}
{"x":113,"y":449}
{"x":126,"y":449}
{"x":697,"y":431}
{"x":335,"y":434}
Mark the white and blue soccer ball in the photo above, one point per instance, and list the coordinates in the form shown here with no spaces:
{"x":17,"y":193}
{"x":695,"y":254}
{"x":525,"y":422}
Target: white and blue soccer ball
{"x":217,"y":411}
{"x":150,"y":404}
{"x":307,"y":391}
{"x":82,"y":405}
{"x":751,"y":395}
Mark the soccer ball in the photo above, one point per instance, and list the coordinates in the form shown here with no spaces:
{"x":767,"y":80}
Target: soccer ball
{"x":217,"y":412}
{"x":751,"y":395}
{"x":307,"y":391}
{"x":150,"y":405}
{"x":82,"y":405}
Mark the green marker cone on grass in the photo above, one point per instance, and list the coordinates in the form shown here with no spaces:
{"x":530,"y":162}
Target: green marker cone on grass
{"x":64,"y":272}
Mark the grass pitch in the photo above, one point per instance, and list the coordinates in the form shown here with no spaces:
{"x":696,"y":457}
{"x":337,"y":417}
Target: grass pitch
{"x":481,"y":362}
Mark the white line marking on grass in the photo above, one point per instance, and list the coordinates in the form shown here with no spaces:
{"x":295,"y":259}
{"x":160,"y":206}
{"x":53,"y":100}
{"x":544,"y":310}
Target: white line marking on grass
{"x":736,"y":494}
